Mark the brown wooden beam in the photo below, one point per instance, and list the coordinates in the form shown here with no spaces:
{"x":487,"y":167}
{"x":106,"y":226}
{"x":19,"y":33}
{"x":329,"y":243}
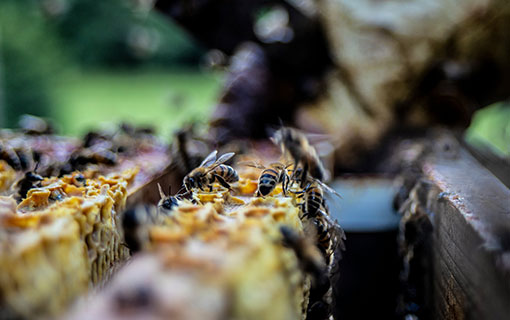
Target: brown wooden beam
{"x":455,"y":240}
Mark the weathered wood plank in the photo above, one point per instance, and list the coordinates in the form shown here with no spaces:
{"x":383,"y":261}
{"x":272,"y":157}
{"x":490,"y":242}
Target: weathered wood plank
{"x":469,"y":210}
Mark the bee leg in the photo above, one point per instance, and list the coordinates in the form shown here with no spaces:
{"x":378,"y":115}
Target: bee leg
{"x":304,"y":174}
{"x":293,"y":176}
{"x":284,"y":187}
{"x":300,"y":194}
{"x":222,"y":182}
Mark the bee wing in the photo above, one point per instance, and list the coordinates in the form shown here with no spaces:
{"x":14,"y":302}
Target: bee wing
{"x":339,"y":236}
{"x":252,"y":164}
{"x":209,"y":160}
{"x":316,"y":138}
{"x":338,"y":245}
{"x":336,"y":232}
{"x":328,"y":188}
{"x":224,"y":158}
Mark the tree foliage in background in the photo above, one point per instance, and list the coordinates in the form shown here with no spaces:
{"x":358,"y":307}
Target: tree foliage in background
{"x":39,"y":39}
{"x":114,"y":34}
{"x":29,"y":59}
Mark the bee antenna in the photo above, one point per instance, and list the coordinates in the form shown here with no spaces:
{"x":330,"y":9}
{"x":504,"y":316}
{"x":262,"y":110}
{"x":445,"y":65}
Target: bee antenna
{"x":161,"y":193}
{"x":36,"y":166}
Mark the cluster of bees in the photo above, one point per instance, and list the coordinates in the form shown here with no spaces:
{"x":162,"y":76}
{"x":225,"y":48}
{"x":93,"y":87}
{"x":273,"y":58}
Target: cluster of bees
{"x":97,"y":148}
{"x":301,"y":179}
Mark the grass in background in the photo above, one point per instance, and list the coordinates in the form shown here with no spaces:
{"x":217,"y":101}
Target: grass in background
{"x":166,"y":100}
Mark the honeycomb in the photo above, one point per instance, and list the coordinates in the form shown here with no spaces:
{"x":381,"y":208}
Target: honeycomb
{"x":59,"y":241}
{"x":7,"y":176}
{"x":219,"y":256}
{"x":64,"y":237}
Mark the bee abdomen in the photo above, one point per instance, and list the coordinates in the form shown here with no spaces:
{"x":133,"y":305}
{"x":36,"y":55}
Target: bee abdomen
{"x":227,"y":172}
{"x":313,"y":202}
{"x":269,"y":176}
{"x":267,"y":181}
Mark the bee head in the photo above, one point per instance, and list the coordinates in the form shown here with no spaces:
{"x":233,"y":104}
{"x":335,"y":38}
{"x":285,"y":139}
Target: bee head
{"x":169,"y":203}
{"x":34,"y":177}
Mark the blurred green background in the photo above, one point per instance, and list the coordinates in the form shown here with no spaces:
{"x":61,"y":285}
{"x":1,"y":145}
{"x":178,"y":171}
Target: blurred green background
{"x":85,"y":62}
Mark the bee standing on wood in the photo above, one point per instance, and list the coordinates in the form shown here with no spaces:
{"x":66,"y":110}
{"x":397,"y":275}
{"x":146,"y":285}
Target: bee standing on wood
{"x":296,"y":144}
{"x":211,"y":170}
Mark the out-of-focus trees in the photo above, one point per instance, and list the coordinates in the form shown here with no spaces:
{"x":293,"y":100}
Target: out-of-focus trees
{"x":29,"y":59}
{"x":115,"y":33}
{"x":40,"y":39}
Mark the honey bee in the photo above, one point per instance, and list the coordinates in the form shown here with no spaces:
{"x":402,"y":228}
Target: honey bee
{"x":269,"y":178}
{"x":313,"y":201}
{"x":329,"y":237}
{"x":211,"y":170}
{"x":296,"y":144}
{"x":314,"y":207}
{"x":30,"y":180}
{"x":167,"y":203}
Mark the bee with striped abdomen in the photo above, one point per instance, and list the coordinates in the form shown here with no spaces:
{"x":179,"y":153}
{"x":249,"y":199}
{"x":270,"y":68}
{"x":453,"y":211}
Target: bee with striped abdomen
{"x":269,"y":178}
{"x":314,"y":207}
{"x":226,"y":172}
{"x":211,"y":170}
{"x":313,"y":196}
